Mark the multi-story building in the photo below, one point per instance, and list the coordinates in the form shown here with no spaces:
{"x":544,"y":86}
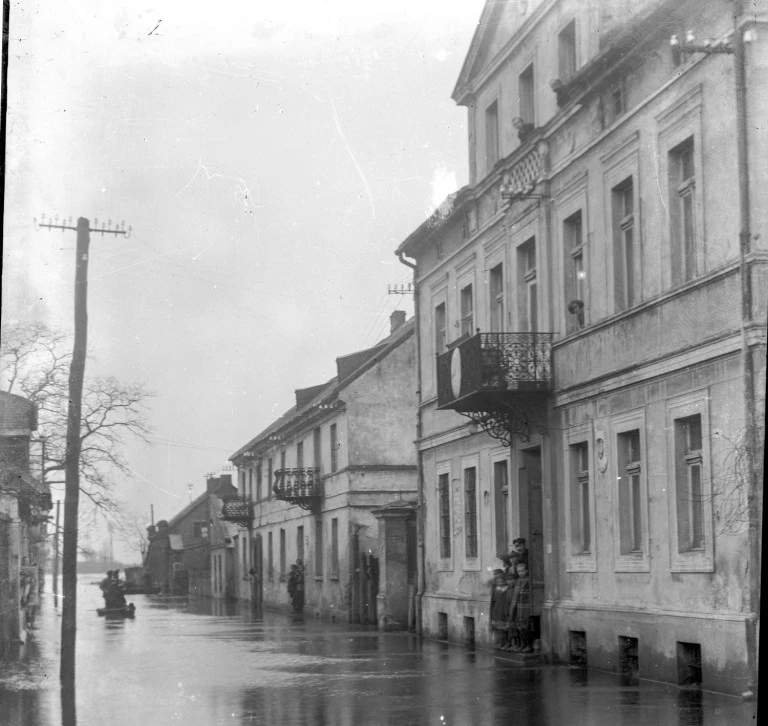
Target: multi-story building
{"x":591,"y":311}
{"x":193,"y":552}
{"x":25,"y":501}
{"x":332,"y":483}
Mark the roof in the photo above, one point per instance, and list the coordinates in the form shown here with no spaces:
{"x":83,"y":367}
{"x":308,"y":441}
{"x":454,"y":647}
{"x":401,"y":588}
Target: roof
{"x":438,"y":218}
{"x":350,"y":367}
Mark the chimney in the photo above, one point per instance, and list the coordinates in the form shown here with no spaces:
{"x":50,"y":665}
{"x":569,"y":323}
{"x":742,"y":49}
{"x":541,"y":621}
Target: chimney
{"x":396,"y":320}
{"x":211,"y":483}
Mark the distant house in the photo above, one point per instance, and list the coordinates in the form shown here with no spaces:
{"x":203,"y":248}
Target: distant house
{"x":24,"y":505}
{"x":192,"y":552}
{"x":332,"y":483}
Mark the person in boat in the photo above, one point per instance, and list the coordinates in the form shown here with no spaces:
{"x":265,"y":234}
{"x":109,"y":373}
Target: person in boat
{"x":114,"y":596}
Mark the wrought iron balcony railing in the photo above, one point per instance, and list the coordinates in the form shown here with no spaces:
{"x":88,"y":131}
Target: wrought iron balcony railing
{"x":237,"y":511}
{"x":299,"y":486}
{"x":490,"y":367}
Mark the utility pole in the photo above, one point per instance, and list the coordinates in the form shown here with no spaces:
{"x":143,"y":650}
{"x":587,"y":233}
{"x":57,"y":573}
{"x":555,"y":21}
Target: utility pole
{"x":56,"y":555}
{"x":72,"y":459}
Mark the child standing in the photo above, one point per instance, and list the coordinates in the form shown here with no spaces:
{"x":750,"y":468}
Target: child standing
{"x":520,"y":611}
{"x":500,"y":599}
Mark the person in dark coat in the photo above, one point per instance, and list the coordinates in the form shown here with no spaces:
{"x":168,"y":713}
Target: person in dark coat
{"x":520,"y":611}
{"x":500,"y":599}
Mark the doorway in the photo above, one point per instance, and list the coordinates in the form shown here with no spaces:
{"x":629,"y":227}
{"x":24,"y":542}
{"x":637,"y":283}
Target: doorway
{"x":532,"y":525}
{"x":257,"y":581}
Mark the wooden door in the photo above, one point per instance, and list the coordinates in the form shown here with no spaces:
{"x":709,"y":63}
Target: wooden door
{"x":532,"y":522}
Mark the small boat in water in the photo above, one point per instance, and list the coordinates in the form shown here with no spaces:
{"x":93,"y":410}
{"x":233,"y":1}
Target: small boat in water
{"x":127,"y":611}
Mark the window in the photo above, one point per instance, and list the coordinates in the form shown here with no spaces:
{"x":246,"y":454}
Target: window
{"x":491,"y":135}
{"x":496,"y":291}
{"x":566,"y":51}
{"x":470,"y":512}
{"x":581,"y":524}
{"x":501,"y":503}
{"x":259,"y":492}
{"x":199,"y":530}
{"x":573,"y":254}
{"x":630,"y":493}
{"x":241,"y":483}
{"x":244,"y":556}
{"x":334,"y":448}
{"x":250,"y":484}
{"x":444,"y":495}
{"x":317,"y":449}
{"x":467,"y":311}
{"x":612,"y":103}
{"x":319,"y":546}
{"x":528,"y":293}
{"x":270,"y":476}
{"x":270,"y":557}
{"x":525,"y":89}
{"x":282,"y":553}
{"x":682,"y":204}
{"x":335,"y":548}
{"x":282,"y":462}
{"x":688,"y":478}
{"x":300,"y":455}
{"x":624,"y":244}
{"x":440,"y":328}
{"x":300,"y":542}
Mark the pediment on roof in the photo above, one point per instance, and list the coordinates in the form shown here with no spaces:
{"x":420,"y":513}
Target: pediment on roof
{"x":499,"y":21}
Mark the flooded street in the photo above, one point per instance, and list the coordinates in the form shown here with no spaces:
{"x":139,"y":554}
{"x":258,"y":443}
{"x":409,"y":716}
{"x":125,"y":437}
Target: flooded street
{"x":204,"y":662}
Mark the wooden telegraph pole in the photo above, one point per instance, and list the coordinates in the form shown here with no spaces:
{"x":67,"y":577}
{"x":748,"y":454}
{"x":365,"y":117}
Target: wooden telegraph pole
{"x":72,"y":460}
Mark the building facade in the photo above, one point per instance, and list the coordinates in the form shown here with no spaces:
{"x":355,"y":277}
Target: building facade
{"x":592,"y":317}
{"x":193,"y":552}
{"x":25,"y":502}
{"x":328,"y":482}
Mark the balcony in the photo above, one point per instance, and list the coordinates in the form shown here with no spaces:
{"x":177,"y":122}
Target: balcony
{"x":237,"y":511}
{"x":299,"y":486}
{"x":499,"y":380}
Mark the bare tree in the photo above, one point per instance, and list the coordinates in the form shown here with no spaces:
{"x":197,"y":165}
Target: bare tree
{"x":34,"y":363}
{"x":133,"y":531}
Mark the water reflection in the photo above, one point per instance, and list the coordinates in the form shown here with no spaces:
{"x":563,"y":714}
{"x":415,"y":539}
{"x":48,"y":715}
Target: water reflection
{"x":207,"y":662}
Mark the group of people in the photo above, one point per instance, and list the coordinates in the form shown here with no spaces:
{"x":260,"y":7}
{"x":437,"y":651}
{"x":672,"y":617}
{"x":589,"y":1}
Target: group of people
{"x":511,"y":601}
{"x":296,"y":586}
{"x":113,"y":590}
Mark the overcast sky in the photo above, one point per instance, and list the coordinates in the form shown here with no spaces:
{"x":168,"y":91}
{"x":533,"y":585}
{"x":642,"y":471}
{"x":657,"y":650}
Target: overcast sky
{"x":269,"y":156}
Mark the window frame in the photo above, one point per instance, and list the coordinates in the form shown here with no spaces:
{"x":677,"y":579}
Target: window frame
{"x":568,"y":32}
{"x":528,"y":292}
{"x":471,"y":505}
{"x":497,"y":299}
{"x":621,"y":426}
{"x":492,"y":135}
{"x":526,"y":102}
{"x":334,"y":563}
{"x":444,"y":497}
{"x":676,"y":124}
{"x":677,"y":409}
{"x":580,"y":560}
{"x":319,"y":554}
{"x":502,"y":495}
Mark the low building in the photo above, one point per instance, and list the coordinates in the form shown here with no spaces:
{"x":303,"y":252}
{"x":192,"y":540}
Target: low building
{"x":332,"y":483}
{"x":24,"y":505}
{"x":192,"y":553}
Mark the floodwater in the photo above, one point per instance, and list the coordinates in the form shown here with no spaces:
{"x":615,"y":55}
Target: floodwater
{"x":204,"y":662}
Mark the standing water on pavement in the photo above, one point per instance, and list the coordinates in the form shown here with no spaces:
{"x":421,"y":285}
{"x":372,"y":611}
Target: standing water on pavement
{"x":208,"y":662}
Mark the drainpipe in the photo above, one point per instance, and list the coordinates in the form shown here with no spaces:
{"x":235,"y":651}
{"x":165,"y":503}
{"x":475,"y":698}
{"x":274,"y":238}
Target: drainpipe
{"x":750,"y":443}
{"x":420,"y":514}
